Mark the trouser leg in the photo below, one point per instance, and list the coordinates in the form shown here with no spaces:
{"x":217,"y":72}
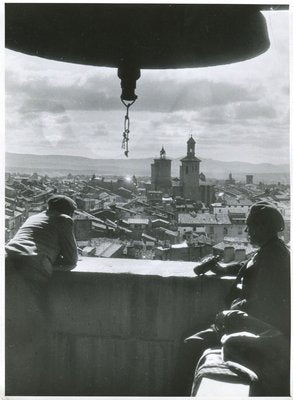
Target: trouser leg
{"x":268,"y":357}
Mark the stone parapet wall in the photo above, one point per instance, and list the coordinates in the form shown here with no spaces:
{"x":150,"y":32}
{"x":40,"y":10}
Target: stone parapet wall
{"x":116,"y":327}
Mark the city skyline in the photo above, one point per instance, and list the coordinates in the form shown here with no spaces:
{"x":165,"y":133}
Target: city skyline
{"x":236,"y":112}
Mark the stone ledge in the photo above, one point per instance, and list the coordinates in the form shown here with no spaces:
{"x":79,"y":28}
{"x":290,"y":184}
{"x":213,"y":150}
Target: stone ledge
{"x":139,"y":267}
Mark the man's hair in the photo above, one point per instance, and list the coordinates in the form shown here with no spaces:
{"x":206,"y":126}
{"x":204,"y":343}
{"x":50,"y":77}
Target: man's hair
{"x":62,"y":204}
{"x":268,"y":215}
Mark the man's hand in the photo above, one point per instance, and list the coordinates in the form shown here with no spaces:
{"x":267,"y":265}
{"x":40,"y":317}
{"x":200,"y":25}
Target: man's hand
{"x":230,"y":321}
{"x":231,"y":268}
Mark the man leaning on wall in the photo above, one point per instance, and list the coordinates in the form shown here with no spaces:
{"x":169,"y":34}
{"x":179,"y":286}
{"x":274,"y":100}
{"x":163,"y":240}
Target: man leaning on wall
{"x":43,"y":244}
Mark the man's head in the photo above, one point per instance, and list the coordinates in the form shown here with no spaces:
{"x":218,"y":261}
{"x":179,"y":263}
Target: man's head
{"x":263,"y":222}
{"x":62,"y":204}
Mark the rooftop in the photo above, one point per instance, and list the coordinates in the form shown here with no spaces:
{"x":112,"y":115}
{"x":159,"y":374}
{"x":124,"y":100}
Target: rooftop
{"x":223,"y":219}
{"x":148,"y":237}
{"x":206,"y":218}
{"x":141,"y":221}
{"x":161,"y":220}
{"x":238,"y":202}
{"x":107,"y":249}
{"x":249,"y":249}
{"x":168,"y":232}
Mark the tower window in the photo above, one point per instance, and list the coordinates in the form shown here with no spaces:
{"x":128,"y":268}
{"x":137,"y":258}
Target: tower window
{"x":186,"y":170}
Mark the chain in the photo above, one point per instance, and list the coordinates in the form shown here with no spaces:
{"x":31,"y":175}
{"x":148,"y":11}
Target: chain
{"x":125,"y":135}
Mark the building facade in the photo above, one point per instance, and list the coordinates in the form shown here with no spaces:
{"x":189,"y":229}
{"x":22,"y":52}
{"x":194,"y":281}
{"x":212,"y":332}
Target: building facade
{"x":161,"y":173}
{"x":189,"y":173}
{"x":249,"y":179}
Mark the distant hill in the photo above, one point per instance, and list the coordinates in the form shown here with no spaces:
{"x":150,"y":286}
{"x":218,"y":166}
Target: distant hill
{"x":213,"y":169}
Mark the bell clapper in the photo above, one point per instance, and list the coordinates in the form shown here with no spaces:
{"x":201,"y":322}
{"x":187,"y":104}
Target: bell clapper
{"x":128,"y":76}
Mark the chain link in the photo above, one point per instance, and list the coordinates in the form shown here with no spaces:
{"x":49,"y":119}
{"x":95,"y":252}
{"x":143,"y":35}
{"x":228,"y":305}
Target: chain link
{"x":125,"y":135}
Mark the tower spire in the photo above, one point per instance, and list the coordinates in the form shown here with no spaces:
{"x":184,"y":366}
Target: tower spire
{"x":190,"y":147}
{"x":163,"y":152}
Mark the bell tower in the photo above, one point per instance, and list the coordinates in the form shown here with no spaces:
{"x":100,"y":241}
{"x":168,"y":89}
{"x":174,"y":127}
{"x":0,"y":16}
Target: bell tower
{"x":161,"y":173}
{"x":189,"y":173}
{"x":190,"y":147}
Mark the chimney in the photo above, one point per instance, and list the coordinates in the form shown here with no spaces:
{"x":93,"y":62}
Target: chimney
{"x":240,"y":254}
{"x":228,"y":254}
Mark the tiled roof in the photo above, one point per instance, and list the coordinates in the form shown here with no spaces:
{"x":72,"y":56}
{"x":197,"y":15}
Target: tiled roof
{"x":198,"y":219}
{"x":10,"y":212}
{"x":137,"y":221}
{"x":249,"y":249}
{"x":98,"y":225}
{"x":204,"y":219}
{"x":9,"y":188}
{"x":238,"y":202}
{"x":125,"y":209}
{"x":110,"y":250}
{"x":223,"y":219}
{"x":237,"y":210}
{"x":161,"y":220}
{"x":168,"y":232}
{"x":149,"y":237}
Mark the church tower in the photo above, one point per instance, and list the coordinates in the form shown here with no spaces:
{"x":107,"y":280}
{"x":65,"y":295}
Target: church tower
{"x":189,"y":173}
{"x":161,"y":173}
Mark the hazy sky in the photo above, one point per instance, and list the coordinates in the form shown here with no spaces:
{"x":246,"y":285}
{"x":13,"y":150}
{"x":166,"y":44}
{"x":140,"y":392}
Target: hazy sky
{"x":234,"y":112}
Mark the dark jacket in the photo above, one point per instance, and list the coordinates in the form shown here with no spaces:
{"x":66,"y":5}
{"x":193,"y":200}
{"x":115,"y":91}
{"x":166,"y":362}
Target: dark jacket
{"x":44,"y":241}
{"x":262,"y":287}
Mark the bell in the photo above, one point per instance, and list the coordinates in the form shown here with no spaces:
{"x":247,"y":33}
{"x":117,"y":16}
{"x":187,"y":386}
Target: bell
{"x":131,"y":37}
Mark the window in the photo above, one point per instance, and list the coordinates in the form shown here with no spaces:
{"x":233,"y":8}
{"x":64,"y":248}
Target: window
{"x":186,"y":170}
{"x":239,"y":230}
{"x":211,"y":230}
{"x":225,"y":231}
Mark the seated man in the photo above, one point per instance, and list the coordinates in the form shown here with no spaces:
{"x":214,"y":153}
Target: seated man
{"x":259,"y":327}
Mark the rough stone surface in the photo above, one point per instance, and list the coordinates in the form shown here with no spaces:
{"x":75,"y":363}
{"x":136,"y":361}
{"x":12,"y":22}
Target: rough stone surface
{"x":116,"y":327}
